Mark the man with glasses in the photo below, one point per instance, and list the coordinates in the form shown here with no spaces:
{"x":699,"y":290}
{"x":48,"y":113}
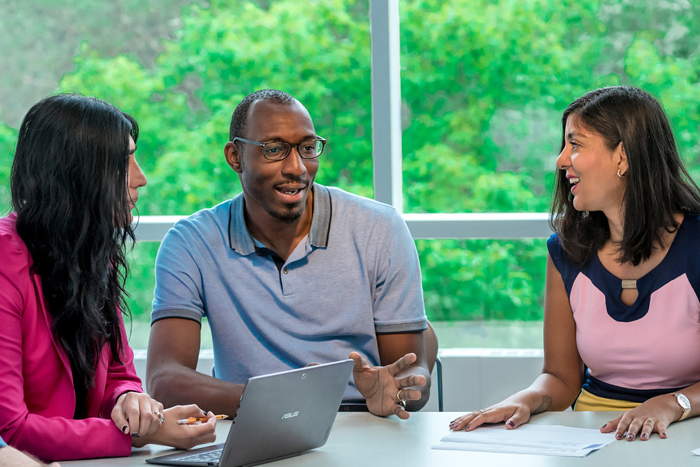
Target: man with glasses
{"x":288,"y":273}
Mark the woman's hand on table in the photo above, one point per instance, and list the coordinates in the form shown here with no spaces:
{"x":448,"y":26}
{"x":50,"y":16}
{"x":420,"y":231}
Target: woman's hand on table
{"x":181,"y":436}
{"x":137,"y":414}
{"x":513,"y":411}
{"x":653,"y":416}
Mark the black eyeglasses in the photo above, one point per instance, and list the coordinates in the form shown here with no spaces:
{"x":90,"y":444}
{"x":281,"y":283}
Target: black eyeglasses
{"x":278,"y":150}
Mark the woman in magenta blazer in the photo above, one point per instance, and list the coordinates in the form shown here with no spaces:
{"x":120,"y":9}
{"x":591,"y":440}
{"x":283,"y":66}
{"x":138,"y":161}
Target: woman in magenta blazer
{"x":68,"y":388}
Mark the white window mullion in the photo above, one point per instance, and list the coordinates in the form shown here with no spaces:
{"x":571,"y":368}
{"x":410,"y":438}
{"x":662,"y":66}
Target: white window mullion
{"x":386,"y":102}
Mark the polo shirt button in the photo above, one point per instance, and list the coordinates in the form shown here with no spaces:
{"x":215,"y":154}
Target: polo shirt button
{"x":286,"y":270}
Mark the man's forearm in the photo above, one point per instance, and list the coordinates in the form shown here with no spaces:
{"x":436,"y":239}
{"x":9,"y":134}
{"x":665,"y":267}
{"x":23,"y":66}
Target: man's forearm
{"x":179,"y":385}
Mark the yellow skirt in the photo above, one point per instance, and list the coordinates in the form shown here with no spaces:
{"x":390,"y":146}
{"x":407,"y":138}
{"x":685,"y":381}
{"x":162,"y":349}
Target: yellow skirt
{"x":590,"y":402}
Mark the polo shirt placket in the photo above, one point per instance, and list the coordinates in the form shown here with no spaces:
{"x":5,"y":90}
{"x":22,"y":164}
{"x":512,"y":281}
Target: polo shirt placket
{"x":242,"y":242}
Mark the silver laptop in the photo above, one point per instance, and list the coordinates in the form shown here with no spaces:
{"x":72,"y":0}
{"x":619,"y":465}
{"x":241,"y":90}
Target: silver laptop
{"x":280,"y":415}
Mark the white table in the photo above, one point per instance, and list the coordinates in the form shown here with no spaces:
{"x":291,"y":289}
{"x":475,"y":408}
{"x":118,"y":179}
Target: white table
{"x":361,"y":439}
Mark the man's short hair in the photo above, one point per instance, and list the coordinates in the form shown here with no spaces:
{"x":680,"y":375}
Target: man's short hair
{"x":240,"y":115}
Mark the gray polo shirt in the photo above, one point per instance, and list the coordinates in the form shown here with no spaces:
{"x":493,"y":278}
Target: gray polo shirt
{"x":354,"y":275}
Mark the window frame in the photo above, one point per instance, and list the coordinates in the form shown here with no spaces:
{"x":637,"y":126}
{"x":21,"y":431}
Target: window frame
{"x":387,"y":155}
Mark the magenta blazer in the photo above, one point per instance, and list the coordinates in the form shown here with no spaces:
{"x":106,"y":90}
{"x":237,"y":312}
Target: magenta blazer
{"x":37,"y":398}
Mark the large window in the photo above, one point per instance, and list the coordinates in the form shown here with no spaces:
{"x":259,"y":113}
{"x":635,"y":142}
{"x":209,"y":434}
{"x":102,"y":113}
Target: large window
{"x":482,"y":87}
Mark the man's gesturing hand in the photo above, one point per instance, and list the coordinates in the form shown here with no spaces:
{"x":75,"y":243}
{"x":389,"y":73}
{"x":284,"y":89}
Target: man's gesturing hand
{"x":381,"y":387}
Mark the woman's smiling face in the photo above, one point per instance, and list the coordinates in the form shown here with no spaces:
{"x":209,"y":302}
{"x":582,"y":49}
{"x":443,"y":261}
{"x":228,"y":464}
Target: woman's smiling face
{"x":592,"y":169}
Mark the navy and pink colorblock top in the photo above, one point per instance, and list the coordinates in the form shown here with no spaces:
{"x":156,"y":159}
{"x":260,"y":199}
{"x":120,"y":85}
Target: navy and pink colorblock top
{"x":651,"y":347}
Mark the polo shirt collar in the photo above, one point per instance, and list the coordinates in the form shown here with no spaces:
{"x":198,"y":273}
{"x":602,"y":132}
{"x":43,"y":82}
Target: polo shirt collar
{"x":241,"y":241}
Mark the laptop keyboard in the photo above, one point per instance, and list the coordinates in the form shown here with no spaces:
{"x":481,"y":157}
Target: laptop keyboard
{"x":208,"y":456}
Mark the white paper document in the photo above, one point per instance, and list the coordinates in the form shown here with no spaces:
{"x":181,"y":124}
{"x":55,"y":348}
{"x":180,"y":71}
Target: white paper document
{"x":544,"y":440}
{"x":696,"y":451}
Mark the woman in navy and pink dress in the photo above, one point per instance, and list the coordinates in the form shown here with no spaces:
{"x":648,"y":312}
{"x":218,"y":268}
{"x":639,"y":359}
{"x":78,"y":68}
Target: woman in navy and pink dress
{"x":622,"y":300}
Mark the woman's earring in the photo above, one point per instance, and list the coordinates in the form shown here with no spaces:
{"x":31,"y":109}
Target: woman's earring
{"x":620,"y":174}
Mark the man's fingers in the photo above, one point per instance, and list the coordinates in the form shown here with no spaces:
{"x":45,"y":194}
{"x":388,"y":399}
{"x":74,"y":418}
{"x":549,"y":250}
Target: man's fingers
{"x":359,"y":361}
{"x":410,"y":394}
{"x":400,"y":412}
{"x":410,"y":381}
{"x":401,"y":364}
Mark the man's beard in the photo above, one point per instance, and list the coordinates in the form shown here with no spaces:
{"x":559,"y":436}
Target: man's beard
{"x":288,"y":216}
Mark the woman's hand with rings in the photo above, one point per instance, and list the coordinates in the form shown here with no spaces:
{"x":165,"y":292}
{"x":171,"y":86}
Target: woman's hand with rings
{"x":181,"y":436}
{"x":137,"y":414}
{"x":512,"y":412}
{"x":653,"y":416}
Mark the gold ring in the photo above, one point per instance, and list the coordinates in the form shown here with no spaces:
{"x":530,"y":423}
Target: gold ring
{"x":400,"y":401}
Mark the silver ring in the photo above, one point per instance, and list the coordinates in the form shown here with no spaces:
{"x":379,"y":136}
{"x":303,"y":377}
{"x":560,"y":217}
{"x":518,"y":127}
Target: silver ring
{"x":650,"y":421}
{"x":161,"y":417}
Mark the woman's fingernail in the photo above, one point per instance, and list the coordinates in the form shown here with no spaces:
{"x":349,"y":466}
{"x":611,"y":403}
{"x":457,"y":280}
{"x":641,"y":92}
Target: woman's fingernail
{"x":511,"y":424}
{"x":467,"y":426}
{"x":645,"y":436}
{"x":125,"y":429}
{"x":618,"y":435}
{"x":135,"y":435}
{"x":204,"y":412}
{"x":604,"y":425}
{"x":663,"y":434}
{"x":630,"y":436}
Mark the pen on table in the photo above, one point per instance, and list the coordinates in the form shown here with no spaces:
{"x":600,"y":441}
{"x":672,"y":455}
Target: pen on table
{"x":186,"y":421}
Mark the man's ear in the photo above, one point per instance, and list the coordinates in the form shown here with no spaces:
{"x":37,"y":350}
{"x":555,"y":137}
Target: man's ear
{"x":233,"y":157}
{"x":621,"y":156}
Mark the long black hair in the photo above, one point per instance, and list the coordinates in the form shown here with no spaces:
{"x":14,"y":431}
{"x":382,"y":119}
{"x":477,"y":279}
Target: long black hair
{"x":69,"y":189}
{"x":658,"y":184}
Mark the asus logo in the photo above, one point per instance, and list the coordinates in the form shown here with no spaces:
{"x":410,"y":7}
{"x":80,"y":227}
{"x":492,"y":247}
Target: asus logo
{"x":290,"y":415}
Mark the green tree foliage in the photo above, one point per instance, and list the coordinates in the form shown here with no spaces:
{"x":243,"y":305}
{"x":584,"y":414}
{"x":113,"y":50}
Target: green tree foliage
{"x":483,"y":82}
{"x":8,"y":139}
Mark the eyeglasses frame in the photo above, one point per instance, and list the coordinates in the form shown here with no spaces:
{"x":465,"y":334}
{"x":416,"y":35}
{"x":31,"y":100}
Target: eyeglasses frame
{"x":262,"y":145}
